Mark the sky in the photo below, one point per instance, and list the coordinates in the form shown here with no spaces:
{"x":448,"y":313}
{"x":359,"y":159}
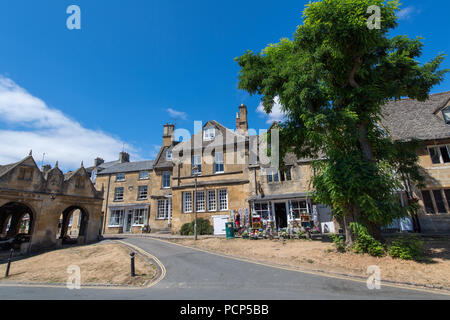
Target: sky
{"x":74,"y":95}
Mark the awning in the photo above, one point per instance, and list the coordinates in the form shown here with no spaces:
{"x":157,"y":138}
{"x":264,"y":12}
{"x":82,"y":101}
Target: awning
{"x":284,"y":196}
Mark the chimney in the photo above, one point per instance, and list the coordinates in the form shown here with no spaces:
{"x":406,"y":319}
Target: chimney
{"x":124,"y":157}
{"x":98,"y":161}
{"x":46,"y":168}
{"x":241,"y":118}
{"x":168,"y":134}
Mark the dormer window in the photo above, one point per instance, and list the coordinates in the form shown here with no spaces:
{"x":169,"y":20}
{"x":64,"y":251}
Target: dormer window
{"x":120,"y":177}
{"x":209,"y":134}
{"x":446,"y":114}
{"x":169,"y":155}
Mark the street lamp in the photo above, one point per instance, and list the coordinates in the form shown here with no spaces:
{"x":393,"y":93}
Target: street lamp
{"x":195,"y":172}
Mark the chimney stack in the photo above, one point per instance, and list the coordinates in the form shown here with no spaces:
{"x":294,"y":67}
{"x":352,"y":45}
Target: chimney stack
{"x":98,"y":161}
{"x":241,"y":118}
{"x":124,"y":157}
{"x":168,"y":134}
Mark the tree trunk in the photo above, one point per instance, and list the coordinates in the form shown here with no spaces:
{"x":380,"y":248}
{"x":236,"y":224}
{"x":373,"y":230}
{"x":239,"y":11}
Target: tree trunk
{"x":351,"y":216}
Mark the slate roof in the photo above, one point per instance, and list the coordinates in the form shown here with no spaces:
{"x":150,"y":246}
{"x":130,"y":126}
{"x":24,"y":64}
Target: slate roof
{"x":128,"y":167}
{"x":407,"y":119}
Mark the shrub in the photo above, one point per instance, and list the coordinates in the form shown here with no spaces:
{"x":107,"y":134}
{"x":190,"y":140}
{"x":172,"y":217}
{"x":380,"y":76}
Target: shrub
{"x":407,"y":248}
{"x":338,"y":242}
{"x":203,"y":227}
{"x":365,"y":243}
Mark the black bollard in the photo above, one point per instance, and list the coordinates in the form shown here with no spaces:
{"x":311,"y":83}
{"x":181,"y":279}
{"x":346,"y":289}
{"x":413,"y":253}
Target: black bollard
{"x":9,"y":263}
{"x":133,"y":274}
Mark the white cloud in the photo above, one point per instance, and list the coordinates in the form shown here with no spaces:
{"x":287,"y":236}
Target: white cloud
{"x":35,"y":126}
{"x":177,"y":114}
{"x":276,"y":115}
{"x":407,"y":13}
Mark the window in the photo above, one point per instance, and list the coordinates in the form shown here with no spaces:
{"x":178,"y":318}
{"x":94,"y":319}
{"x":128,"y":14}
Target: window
{"x":93,"y":176}
{"x":116,"y":218}
{"x":197,"y":161}
{"x":164,"y":209}
{"x":426,"y":195}
{"x":440,"y":154}
{"x":169,"y":155}
{"x":118,"y":194}
{"x":212,"y":206}
{"x":200,"y":203}
{"x":120,"y":177}
{"x":299,"y":208}
{"x":223,"y":199}
{"x":143,"y":175}
{"x":139,"y":217}
{"x":209,"y":134}
{"x":286,"y":175}
{"x":70,"y":220}
{"x":262,"y":209}
{"x":187,"y":202}
{"x":142,"y":192}
{"x":218,"y":163}
{"x":25,"y":174}
{"x":446,"y":113}
{"x":166,"y":179}
{"x":439,"y":199}
{"x":273,"y":176}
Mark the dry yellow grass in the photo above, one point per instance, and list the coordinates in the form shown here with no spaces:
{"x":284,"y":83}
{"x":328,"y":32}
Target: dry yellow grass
{"x":99,"y":264}
{"x":315,"y":255}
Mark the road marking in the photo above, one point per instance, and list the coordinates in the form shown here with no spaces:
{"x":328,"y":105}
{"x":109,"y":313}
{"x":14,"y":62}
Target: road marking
{"x":348,"y":278}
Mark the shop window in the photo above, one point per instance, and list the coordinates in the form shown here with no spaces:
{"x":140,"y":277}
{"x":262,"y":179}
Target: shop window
{"x":299,"y":208}
{"x":116,"y":218}
{"x":262,"y":209}
{"x":139,"y":217}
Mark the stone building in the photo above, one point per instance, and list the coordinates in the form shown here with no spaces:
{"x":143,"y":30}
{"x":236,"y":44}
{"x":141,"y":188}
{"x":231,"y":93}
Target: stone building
{"x":39,"y":204}
{"x":429,"y":122}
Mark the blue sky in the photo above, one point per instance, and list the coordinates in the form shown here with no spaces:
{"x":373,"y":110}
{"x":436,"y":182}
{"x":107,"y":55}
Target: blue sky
{"x":135,"y":63}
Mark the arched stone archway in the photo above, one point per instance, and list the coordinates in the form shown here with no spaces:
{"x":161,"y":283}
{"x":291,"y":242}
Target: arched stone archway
{"x":73,"y":224}
{"x":16,"y":221}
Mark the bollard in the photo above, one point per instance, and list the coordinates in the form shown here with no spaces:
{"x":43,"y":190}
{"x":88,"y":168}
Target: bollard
{"x":133,"y":274}
{"x":9,"y":263}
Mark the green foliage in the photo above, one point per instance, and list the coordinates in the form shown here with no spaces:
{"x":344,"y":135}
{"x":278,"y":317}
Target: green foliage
{"x":407,"y":248}
{"x":339,"y":242}
{"x":332,"y":80}
{"x":203,"y":227}
{"x":365,"y":243}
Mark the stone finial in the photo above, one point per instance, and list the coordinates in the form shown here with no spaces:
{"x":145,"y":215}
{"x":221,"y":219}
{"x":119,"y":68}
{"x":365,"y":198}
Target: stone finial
{"x":56,"y":164}
{"x":31,"y":152}
{"x":82,"y":165}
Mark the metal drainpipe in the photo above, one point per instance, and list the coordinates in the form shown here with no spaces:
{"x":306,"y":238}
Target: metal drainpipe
{"x":106,"y":205}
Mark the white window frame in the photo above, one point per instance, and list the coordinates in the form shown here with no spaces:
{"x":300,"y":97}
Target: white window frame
{"x":209,"y":134}
{"x":115,"y":194}
{"x":196,"y":161}
{"x":218,"y":161}
{"x":169,"y":155}
{"x":140,"y":213}
{"x":262,"y":212}
{"x":165,"y":178}
{"x":139,"y":193}
{"x":163,"y":206}
{"x":438,"y":148}
{"x":220,"y":197}
{"x":146,"y":175}
{"x":187,"y":203}
{"x":296,"y":207}
{"x":200,"y":201}
{"x":120,"y":179}
{"x":446,"y":114}
{"x":119,"y":219}
{"x":212,"y":201}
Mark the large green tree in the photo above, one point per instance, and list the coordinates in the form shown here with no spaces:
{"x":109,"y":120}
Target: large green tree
{"x":332,"y":80}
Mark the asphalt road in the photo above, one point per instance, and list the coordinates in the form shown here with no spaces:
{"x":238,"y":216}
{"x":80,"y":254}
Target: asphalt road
{"x":196,"y":275}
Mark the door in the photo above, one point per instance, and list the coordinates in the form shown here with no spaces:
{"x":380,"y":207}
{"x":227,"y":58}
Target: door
{"x":219,"y":225}
{"x":128,"y":221}
{"x":281,"y":215}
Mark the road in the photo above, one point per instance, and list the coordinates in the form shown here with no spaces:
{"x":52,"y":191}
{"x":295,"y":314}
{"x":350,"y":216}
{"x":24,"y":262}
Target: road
{"x":197,"y":275}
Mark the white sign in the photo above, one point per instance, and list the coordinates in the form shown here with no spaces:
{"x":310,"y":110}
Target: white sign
{"x":328,"y":227}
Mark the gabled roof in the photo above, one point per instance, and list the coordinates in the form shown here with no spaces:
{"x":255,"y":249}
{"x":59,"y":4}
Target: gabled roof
{"x":128,"y":167}
{"x":8,"y":167}
{"x":408,"y":119}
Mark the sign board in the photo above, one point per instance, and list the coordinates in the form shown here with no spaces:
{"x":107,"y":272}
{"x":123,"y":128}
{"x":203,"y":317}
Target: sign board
{"x":219,"y":225}
{"x":328,"y":227}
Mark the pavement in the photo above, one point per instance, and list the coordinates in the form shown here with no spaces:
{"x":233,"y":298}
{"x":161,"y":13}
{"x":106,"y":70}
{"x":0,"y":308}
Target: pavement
{"x":190,"y":274}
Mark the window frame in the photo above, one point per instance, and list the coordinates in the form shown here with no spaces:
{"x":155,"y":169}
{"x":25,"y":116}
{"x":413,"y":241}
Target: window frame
{"x":115,"y":194}
{"x":184,"y":202}
{"x":139,"y":193}
{"x":169,"y":156}
{"x":120,"y":174}
{"x":446,"y":115}
{"x":219,"y":199}
{"x":120,"y":218}
{"x":218,"y":163}
{"x":165,"y":177}
{"x":146,"y":176}
{"x":209,"y":201}
{"x":193,"y":164}
{"x":201,"y":201}
{"x":207,"y":136}
{"x":437,"y":150}
{"x":167,"y":209}
{"x":142,"y":214}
